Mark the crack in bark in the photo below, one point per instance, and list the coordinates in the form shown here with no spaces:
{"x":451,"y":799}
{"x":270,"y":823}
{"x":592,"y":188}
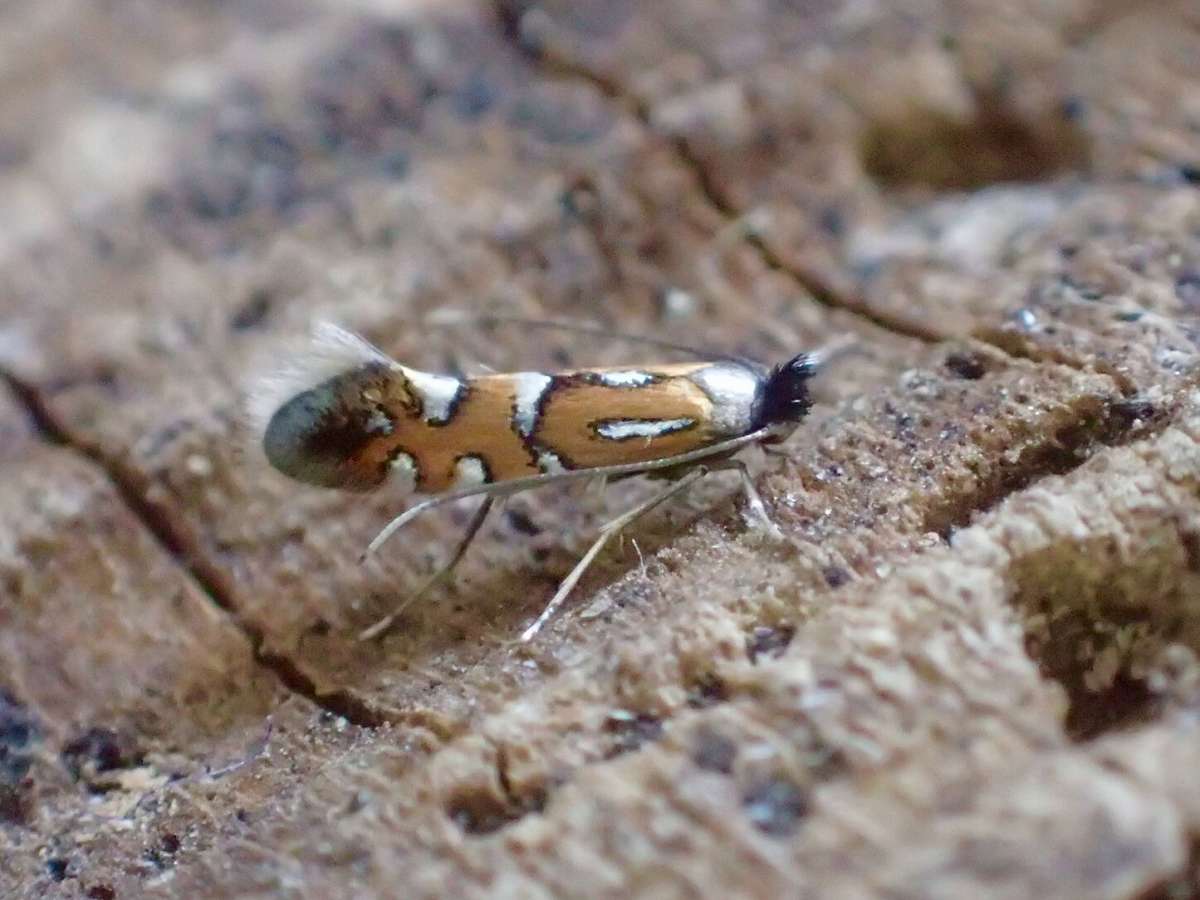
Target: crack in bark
{"x":182,"y":546}
{"x":553,"y":63}
{"x":1065,"y":450}
{"x":480,"y":813}
{"x":1017,"y":346}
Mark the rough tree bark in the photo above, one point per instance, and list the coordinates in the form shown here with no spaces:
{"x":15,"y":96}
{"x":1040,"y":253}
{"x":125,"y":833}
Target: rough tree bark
{"x":969,"y":670}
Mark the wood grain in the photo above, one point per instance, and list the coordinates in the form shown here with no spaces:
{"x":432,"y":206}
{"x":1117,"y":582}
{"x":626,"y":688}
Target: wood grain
{"x":968,"y":670}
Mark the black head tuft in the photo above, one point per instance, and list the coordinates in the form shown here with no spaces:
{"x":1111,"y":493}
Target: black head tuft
{"x":785,"y":395}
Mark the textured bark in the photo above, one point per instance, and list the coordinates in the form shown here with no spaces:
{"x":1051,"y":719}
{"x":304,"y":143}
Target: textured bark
{"x":969,"y":669}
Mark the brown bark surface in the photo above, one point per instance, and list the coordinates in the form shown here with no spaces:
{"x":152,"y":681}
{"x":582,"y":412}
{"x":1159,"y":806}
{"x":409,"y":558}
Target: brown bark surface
{"x":969,"y":669}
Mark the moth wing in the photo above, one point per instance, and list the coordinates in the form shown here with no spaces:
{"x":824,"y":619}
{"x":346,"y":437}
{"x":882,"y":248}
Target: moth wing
{"x":329,"y":351}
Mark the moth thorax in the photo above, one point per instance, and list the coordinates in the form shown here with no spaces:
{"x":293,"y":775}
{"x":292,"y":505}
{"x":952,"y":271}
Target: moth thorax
{"x":734,"y":389}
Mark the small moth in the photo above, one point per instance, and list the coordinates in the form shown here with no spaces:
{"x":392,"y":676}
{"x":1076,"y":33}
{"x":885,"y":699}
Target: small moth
{"x":348,"y":416}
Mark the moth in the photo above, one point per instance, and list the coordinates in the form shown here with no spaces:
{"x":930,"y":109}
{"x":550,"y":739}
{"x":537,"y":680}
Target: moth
{"x":345,"y":415}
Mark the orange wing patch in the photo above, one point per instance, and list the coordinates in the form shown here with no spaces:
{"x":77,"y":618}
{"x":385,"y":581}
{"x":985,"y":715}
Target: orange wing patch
{"x":593,"y":419}
{"x":481,"y":426}
{"x":357,"y":429}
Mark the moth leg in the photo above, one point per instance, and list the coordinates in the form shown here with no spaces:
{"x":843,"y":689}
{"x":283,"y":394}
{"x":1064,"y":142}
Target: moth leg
{"x":754,"y":501}
{"x":662,"y":467}
{"x":606,"y":534}
{"x":384,"y":624}
{"x":590,"y":491}
{"x":596,"y":486}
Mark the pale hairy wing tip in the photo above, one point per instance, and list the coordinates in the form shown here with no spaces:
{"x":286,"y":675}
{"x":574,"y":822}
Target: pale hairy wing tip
{"x":329,"y":350}
{"x":331,"y":340}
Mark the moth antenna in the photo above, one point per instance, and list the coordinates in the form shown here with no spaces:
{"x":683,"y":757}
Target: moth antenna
{"x":330,"y":351}
{"x":832,"y":351}
{"x":457,"y":318}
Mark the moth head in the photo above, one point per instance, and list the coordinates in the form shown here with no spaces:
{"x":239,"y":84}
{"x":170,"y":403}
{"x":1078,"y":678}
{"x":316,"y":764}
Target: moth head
{"x":785,"y":396}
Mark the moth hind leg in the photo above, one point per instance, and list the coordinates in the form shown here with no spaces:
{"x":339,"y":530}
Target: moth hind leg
{"x":385,"y":624}
{"x":607,"y":533}
{"x":754,"y":502}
